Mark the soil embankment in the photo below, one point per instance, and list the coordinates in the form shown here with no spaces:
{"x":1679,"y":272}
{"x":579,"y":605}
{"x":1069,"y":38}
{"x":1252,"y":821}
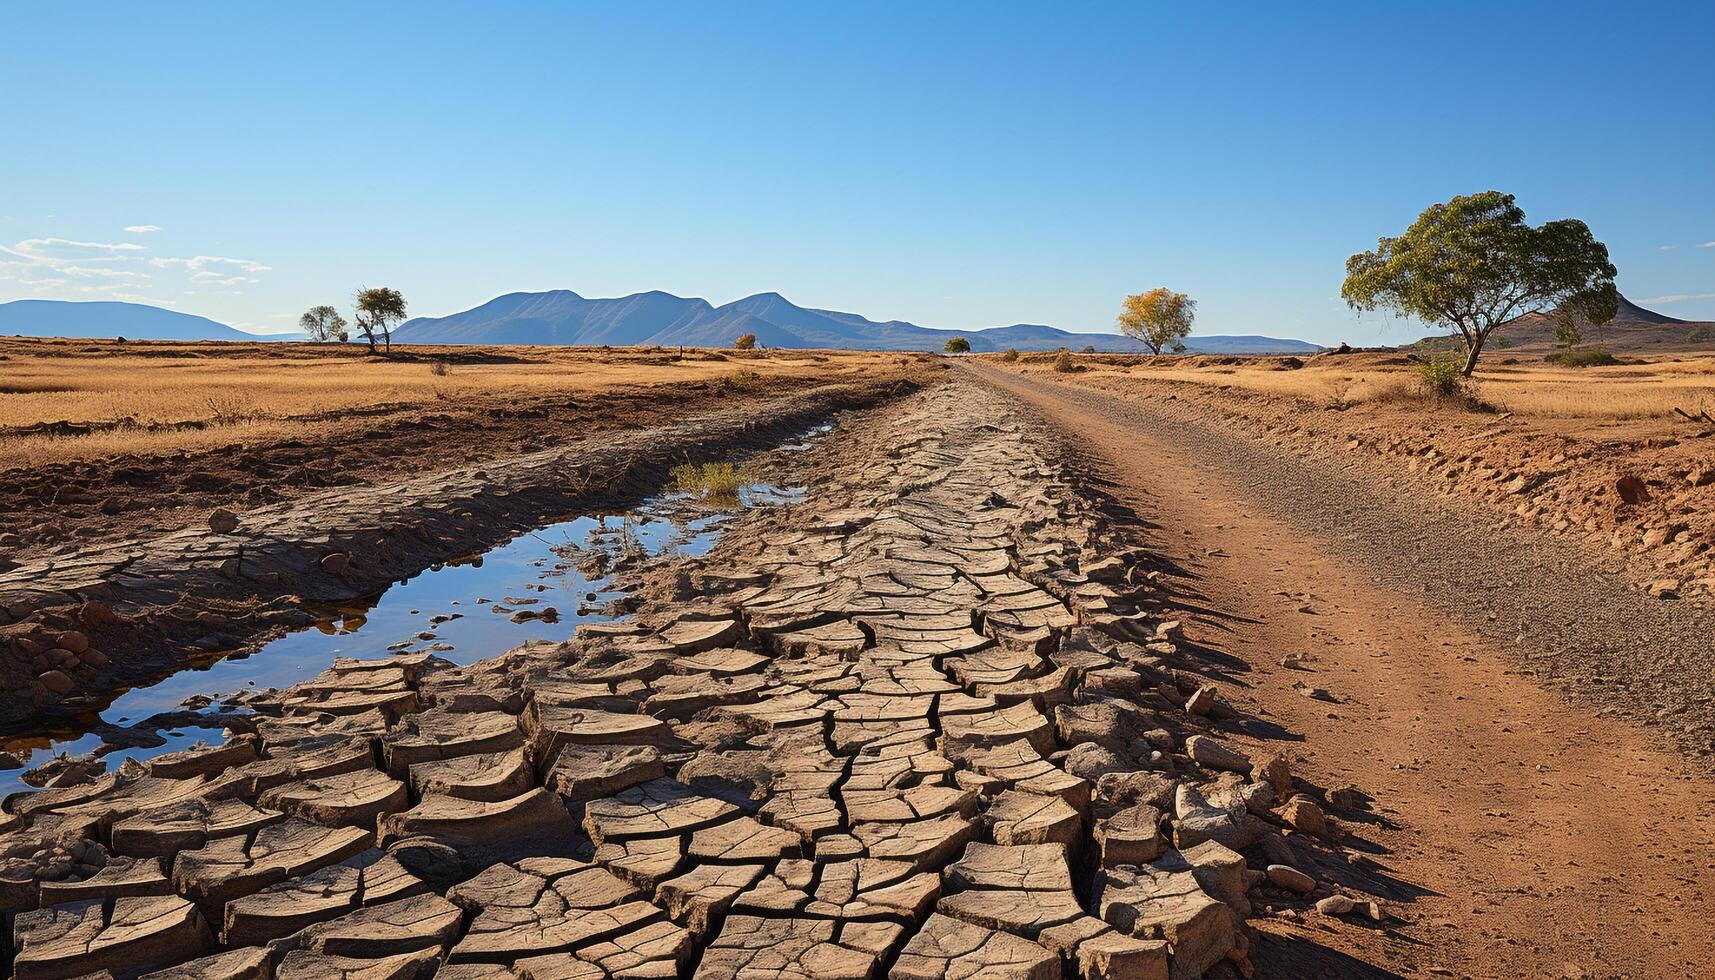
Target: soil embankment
{"x":1407,"y":642}
{"x":135,"y":608}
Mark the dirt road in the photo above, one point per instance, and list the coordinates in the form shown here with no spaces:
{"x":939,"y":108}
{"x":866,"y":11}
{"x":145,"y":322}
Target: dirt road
{"x":1519,"y":835}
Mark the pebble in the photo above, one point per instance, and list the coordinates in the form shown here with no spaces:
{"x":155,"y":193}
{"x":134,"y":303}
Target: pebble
{"x":1290,"y":878}
{"x":223,"y":521}
{"x":1335,"y":905}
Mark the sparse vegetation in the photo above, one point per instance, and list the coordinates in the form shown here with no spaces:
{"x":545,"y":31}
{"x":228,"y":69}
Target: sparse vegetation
{"x":1699,"y":334}
{"x":1063,"y":362}
{"x":1160,"y":318}
{"x":440,"y":369}
{"x":1009,"y":355}
{"x":744,"y":380}
{"x":1442,"y":376}
{"x":1582,"y":357}
{"x":1089,"y":348}
{"x":745,"y":341}
{"x":718,"y":481}
{"x":958,"y":345}
{"x":1473,"y":265}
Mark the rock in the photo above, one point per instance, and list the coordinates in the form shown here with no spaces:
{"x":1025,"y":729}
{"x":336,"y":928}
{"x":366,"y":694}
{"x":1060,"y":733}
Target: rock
{"x":336,"y":563}
{"x":1335,"y":905}
{"x":1206,"y":751}
{"x":1276,"y":772}
{"x":945,"y":947}
{"x":1092,"y":761}
{"x":1303,"y":815}
{"x":1631,"y":490}
{"x":1667,"y":588}
{"x":223,"y":521}
{"x":1346,"y":799}
{"x":1018,"y":817}
{"x":1115,"y":956}
{"x":1156,"y":903}
{"x":1291,"y":879}
{"x":1656,"y":537}
{"x":1131,"y":836}
{"x":1202,"y":701}
{"x":55,"y":681}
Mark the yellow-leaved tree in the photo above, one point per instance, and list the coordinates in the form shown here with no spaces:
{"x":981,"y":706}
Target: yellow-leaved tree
{"x":1159,"y":318}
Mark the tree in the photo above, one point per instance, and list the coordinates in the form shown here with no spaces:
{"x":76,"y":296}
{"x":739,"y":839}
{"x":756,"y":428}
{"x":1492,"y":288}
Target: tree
{"x":377,"y":311}
{"x":1158,"y":318}
{"x":323,"y":323}
{"x":1473,"y":264}
{"x":958,"y":345}
{"x":745,"y":341}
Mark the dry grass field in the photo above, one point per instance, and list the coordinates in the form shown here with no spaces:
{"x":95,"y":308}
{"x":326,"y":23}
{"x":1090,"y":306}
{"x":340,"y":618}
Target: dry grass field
{"x":1638,"y":388}
{"x":76,"y":400}
{"x":101,"y":438}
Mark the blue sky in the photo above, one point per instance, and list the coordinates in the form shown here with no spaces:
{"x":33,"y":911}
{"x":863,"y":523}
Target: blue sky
{"x":957,"y":165}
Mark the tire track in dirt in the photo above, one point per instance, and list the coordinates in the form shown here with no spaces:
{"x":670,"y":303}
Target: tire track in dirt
{"x":1526,"y":837}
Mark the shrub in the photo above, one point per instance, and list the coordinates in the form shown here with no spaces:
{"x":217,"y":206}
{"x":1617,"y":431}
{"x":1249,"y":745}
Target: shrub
{"x":1698,"y":335}
{"x":958,"y":345}
{"x":717,"y":480}
{"x":1583,"y":357}
{"x":745,"y":341}
{"x":1443,"y":376}
{"x":1064,"y":364}
{"x":1089,"y":348}
{"x":440,"y":369}
{"x":1009,"y":355}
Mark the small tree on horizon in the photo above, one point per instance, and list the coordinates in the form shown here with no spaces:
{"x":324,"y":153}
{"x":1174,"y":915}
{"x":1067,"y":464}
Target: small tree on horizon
{"x":1158,"y":318}
{"x":745,"y":341}
{"x":377,"y":310}
{"x":958,"y":345}
{"x":323,"y":324}
{"x":1472,"y":264}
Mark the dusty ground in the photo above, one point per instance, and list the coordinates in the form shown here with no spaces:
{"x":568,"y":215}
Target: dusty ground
{"x":100,"y":440}
{"x":1506,"y":821}
{"x":1550,"y":455}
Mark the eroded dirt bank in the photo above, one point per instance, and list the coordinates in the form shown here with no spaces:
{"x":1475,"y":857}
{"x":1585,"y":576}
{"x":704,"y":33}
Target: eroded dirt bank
{"x":1522,"y":835}
{"x":88,"y":620}
{"x":935,"y":721}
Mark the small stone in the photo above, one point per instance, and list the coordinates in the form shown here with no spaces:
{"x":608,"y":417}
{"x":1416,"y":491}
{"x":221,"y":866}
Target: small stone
{"x":1206,"y":751}
{"x":223,"y":521}
{"x":1202,"y":702}
{"x":336,"y":563}
{"x":1335,"y":905}
{"x":1303,"y":815}
{"x":1291,"y":879}
{"x":1346,"y":799}
{"x":1274,"y":771}
{"x":1631,"y":489}
{"x":1667,"y":588}
{"x":56,"y":681}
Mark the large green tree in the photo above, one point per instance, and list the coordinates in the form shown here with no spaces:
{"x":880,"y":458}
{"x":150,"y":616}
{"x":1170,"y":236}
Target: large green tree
{"x":1160,"y":318}
{"x":377,"y":311}
{"x":1473,"y":264}
{"x":958,"y":345}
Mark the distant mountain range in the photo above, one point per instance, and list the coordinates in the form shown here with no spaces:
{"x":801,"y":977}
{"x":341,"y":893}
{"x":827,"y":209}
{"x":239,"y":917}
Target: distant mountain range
{"x":562,"y":317}
{"x":135,"y":321}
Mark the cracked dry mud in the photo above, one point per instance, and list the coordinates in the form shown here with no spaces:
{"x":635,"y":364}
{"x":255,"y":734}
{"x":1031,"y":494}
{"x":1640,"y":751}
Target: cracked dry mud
{"x":929,"y":723}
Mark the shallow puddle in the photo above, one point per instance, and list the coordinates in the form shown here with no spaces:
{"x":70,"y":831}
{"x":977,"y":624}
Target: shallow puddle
{"x":540,"y":585}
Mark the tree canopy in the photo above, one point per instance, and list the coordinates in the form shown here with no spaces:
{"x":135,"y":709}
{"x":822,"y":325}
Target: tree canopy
{"x":377,"y":310}
{"x":1473,"y":263}
{"x":1158,"y":318}
{"x":323,"y":323}
{"x":745,"y":341}
{"x":958,"y":345}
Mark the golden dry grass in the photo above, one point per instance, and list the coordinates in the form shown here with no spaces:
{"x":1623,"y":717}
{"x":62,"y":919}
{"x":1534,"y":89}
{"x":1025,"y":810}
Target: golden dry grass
{"x":199,"y":396}
{"x":1642,"y":389}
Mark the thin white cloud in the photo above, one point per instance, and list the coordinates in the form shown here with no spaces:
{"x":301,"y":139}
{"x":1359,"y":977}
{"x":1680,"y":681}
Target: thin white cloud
{"x":100,"y":272}
{"x":142,"y":229}
{"x":1677,"y":297}
{"x":207,"y":278}
{"x":1667,"y":248}
{"x":201,"y":262}
{"x":1707,"y":245}
{"x":56,"y":251}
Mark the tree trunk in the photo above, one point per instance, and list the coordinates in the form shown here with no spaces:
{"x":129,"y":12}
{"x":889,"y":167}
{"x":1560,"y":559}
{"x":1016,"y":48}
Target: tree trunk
{"x":1474,"y":349}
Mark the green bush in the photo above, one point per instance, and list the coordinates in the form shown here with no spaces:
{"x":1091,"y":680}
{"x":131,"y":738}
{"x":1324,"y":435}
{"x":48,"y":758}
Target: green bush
{"x":958,"y":345}
{"x":1583,"y":357}
{"x":1443,"y":375}
{"x":1698,"y":335}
